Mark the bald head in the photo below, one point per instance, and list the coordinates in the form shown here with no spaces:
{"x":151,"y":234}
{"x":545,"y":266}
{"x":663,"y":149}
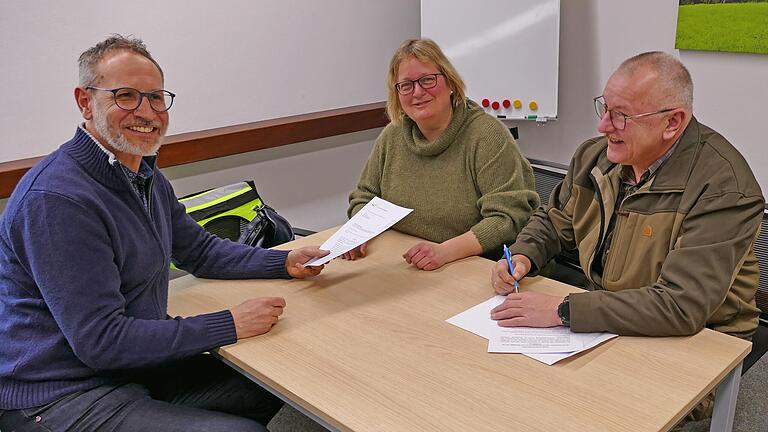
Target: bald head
{"x":664,"y":75}
{"x":649,"y":99}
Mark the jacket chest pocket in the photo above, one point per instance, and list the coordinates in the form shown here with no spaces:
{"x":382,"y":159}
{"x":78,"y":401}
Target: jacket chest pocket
{"x":638,"y":249}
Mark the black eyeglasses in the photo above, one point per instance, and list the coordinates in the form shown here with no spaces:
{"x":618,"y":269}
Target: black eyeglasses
{"x":618,"y":118}
{"x":426,"y":82}
{"x":129,"y":99}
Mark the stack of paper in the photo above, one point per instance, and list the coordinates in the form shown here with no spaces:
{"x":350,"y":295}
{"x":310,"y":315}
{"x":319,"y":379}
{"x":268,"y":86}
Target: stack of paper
{"x":547,"y":345}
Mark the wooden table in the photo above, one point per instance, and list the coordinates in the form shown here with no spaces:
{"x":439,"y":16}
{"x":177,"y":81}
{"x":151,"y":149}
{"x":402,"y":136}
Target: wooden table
{"x":365,"y":347}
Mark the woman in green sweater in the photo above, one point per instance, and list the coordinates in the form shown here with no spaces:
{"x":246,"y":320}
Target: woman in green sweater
{"x":443,"y":156}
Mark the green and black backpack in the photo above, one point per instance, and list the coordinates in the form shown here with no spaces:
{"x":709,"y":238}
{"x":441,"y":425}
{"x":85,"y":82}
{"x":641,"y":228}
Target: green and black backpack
{"x":237,"y":212}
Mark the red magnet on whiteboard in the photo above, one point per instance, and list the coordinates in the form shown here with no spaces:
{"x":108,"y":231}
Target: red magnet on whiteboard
{"x":495,"y":105}
{"x":486,"y":103}
{"x":506,"y":103}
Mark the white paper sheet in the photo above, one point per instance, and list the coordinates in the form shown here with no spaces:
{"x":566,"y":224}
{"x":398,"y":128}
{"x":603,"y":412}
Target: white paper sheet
{"x":534,"y":340}
{"x":477,"y":320}
{"x":553,"y":358}
{"x":373,"y":219}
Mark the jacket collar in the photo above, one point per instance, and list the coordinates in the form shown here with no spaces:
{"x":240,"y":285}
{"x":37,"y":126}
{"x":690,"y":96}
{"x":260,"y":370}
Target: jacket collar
{"x":673,"y":174}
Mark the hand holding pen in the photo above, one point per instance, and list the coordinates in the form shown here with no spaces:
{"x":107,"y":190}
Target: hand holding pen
{"x":508,"y":271}
{"x":511,"y":268}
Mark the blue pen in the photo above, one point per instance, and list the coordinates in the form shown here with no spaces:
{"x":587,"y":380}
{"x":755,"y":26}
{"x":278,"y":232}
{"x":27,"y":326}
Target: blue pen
{"x":511,"y":267}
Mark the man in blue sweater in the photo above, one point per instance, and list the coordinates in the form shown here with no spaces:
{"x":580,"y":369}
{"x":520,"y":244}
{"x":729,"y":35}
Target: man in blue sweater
{"x":85,"y":245}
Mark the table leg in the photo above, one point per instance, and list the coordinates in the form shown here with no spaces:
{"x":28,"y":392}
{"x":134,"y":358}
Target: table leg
{"x":725,"y":401}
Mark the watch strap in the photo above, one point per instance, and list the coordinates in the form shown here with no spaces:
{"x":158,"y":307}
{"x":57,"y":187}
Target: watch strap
{"x":564,"y":311}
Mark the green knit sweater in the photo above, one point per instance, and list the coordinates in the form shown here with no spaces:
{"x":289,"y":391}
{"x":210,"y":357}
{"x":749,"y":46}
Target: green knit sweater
{"x":472,"y":177}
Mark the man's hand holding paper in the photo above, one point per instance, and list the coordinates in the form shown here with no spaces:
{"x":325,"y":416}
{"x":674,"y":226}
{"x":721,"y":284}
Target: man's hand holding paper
{"x":370,"y":221}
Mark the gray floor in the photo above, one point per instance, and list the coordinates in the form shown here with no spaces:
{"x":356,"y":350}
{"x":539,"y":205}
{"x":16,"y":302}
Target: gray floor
{"x":290,"y":420}
{"x":752,"y":405}
{"x":751,"y":408}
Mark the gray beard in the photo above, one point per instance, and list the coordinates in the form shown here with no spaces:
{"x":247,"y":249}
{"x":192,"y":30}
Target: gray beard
{"x":118,"y":141}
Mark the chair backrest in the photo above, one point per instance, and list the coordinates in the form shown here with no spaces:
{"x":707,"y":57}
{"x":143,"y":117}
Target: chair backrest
{"x":761,"y":250}
{"x":548,"y":175}
{"x":760,"y":338}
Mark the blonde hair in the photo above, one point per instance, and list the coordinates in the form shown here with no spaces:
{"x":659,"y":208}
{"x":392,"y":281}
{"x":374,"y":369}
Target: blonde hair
{"x":424,"y":50}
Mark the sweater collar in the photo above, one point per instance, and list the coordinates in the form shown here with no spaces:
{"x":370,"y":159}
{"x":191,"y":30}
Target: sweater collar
{"x":147,"y":162}
{"x":416,"y":142}
{"x":111,"y":156}
{"x":91,"y":155}
{"x":675,"y":172}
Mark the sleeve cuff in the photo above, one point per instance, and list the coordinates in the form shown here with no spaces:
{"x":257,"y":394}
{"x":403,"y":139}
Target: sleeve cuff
{"x":579,"y":303}
{"x":487,"y":235}
{"x":221,"y":328}
{"x":520,"y":248}
{"x":275,"y":264}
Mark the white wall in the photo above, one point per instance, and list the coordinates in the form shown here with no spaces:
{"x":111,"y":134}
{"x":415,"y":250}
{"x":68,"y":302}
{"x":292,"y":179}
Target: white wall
{"x":229,"y":61}
{"x":595,"y":37}
{"x":730,"y":90}
{"x":309,"y":181}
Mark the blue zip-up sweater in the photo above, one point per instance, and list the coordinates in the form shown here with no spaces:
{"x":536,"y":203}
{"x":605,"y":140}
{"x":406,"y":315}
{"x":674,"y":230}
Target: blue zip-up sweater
{"x":84,"y":277}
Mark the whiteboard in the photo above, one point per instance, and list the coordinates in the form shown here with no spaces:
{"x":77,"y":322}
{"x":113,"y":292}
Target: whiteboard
{"x":229,"y":62}
{"x":505,"y":50}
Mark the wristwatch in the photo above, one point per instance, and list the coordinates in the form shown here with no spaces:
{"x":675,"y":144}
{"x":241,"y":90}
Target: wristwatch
{"x":564,"y":311}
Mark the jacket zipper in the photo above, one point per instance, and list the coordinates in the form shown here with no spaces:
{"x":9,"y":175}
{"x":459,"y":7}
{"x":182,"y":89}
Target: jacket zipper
{"x":600,"y":239}
{"x":149,"y":198}
{"x":160,"y":310}
{"x":148,"y":211}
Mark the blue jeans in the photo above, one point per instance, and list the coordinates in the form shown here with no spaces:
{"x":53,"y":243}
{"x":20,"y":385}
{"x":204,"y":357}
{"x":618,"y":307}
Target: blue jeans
{"x":198,"y":394}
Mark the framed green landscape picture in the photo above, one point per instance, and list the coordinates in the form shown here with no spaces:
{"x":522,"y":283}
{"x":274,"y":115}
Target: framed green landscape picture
{"x":723,"y":25}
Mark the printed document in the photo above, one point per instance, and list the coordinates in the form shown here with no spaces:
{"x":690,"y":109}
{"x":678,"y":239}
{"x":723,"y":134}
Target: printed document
{"x":547,"y":345}
{"x":373,"y":219}
{"x":534,"y":340}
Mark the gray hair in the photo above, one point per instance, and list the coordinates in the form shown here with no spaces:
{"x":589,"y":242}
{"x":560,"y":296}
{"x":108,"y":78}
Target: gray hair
{"x":92,"y":56}
{"x":674,"y":78}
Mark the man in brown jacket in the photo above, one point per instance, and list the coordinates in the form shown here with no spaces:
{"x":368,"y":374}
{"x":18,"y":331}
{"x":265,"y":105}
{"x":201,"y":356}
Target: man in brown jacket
{"x":663,"y":211}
